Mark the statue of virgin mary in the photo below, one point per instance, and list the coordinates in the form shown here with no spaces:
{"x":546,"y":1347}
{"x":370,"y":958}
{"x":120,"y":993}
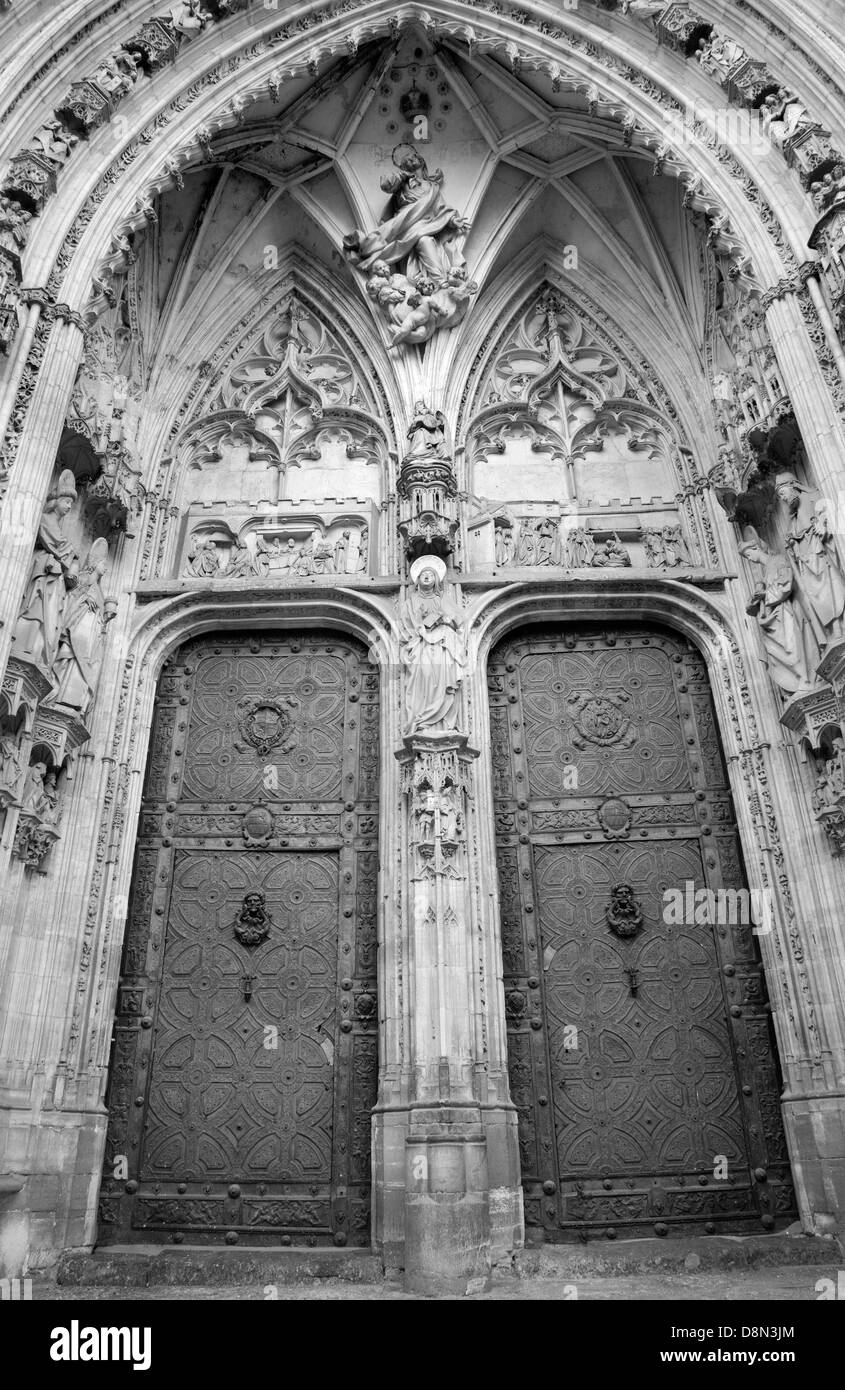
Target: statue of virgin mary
{"x":433,"y":650}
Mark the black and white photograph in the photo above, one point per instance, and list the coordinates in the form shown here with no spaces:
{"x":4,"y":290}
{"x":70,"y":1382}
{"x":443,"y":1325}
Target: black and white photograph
{"x":422,"y":638}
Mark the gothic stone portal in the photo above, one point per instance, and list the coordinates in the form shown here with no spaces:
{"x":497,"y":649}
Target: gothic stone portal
{"x":641,"y":1058}
{"x":244,"y":1066}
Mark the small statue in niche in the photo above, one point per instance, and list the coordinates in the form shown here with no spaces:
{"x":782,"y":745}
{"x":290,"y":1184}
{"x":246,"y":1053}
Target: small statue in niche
{"x":791,"y":650}
{"x":503,"y":541}
{"x":432,"y":630}
{"x":612,"y":555}
{"x":675,"y":549}
{"x":810,"y":547}
{"x":303,"y":565}
{"x":428,"y":433}
{"x":284,"y":556}
{"x":527,"y":548}
{"x":451,"y":817}
{"x":341,"y":551}
{"x":580,"y":549}
{"x":783,"y":116}
{"x":548,"y":543}
{"x":83,"y":640}
{"x":54,"y":573}
{"x":32,"y":795}
{"x":252,"y":924}
{"x":11,"y":767}
{"x":323,"y":561}
{"x":655,"y":553}
{"x":363,"y":549}
{"x":14,"y":225}
{"x":188,"y":17}
{"x":203,"y":559}
{"x":240,"y":564}
{"x":54,"y":142}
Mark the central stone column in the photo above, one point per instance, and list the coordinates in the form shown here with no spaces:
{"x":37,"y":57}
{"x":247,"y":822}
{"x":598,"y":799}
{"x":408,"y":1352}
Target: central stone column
{"x":447,"y":1217}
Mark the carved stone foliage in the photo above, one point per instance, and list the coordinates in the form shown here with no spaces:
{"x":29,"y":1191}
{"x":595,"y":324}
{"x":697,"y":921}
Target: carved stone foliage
{"x":412,"y":264}
{"x":432,"y":630}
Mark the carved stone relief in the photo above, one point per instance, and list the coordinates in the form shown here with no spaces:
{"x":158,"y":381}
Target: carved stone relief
{"x":415,"y":270}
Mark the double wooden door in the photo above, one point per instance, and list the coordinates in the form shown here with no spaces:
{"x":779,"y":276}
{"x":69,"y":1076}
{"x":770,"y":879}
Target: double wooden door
{"x":641,"y":1055}
{"x":244,"y":1066}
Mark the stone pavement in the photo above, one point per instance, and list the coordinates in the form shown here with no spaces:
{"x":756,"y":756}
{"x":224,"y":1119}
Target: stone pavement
{"x":790,"y":1283}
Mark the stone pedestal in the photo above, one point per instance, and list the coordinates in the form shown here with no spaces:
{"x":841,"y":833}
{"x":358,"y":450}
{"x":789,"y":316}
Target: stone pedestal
{"x":447,"y":1202}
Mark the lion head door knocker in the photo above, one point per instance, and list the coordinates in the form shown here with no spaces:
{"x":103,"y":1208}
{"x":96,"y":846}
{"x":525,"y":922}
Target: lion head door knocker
{"x":267,"y":725}
{"x":253,"y":922}
{"x":623,"y":913}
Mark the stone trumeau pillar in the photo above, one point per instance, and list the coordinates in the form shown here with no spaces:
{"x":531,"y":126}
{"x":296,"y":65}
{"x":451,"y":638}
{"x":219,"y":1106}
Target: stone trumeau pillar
{"x":460,"y":1144}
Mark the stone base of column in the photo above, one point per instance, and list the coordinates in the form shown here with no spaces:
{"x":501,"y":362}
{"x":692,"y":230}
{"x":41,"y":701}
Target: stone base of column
{"x":815,"y":1129}
{"x":447,"y":1201}
{"x":56,"y":1158}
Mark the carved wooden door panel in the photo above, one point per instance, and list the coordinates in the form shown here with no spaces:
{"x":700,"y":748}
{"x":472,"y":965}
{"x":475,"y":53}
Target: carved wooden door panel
{"x":244,"y":1066}
{"x":641,"y":1057}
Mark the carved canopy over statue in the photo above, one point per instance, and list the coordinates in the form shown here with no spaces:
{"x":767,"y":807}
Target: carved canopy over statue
{"x":415,"y":269}
{"x":433,"y":636}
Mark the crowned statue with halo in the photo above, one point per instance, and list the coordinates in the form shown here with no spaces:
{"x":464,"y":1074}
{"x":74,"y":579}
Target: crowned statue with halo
{"x":414,"y":266}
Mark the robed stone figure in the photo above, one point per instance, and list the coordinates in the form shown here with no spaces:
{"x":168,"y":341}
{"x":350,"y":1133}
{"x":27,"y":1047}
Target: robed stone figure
{"x":810,"y":547}
{"x":792,"y":653}
{"x":55,"y":570}
{"x":433,"y":649}
{"x":83,"y":641}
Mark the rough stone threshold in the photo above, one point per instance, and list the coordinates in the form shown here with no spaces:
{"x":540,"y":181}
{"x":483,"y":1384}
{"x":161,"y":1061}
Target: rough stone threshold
{"x":144,"y":1266}
{"x":607,"y":1258}
{"x":185,"y":1266}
